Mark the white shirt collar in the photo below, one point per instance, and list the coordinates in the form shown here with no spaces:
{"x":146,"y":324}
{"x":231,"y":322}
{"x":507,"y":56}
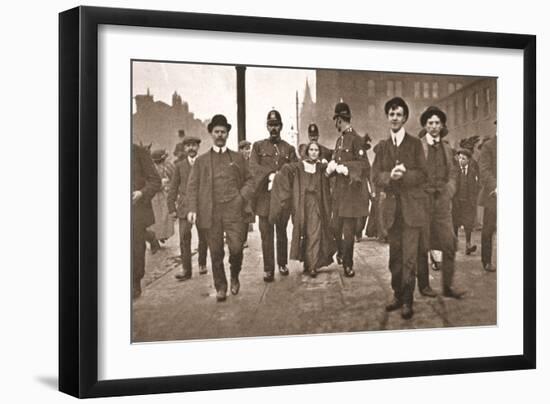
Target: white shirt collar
{"x":191,"y":159}
{"x":217,"y":149}
{"x":430,"y":139}
{"x":309,"y":167}
{"x":397,"y":137}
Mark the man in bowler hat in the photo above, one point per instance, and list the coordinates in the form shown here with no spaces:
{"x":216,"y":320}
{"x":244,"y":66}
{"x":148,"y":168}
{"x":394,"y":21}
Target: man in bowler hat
{"x":266,"y":159}
{"x":350,"y":194}
{"x":145,"y":184}
{"x":178,"y":207}
{"x":440,"y":187}
{"x":399,"y":174}
{"x":219,"y":187}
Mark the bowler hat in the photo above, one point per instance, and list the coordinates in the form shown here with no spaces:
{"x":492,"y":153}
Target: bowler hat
{"x":342,"y":110}
{"x":464,"y":151}
{"x":191,"y":139}
{"x":158,"y":155}
{"x":431,"y":111}
{"x":218,"y":120}
{"x":244,"y":143}
{"x":312,"y":129}
{"x":274,"y":116}
{"x":181,"y":133}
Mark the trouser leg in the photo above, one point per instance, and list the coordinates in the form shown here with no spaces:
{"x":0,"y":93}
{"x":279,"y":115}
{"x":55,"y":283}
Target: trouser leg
{"x":409,"y":245}
{"x":443,"y":237}
{"x":266,"y":233}
{"x":489,"y":227}
{"x":282,"y":239}
{"x":138,"y":256}
{"x":203,"y":247}
{"x":337,"y":228}
{"x":214,"y":236}
{"x":234,"y":236}
{"x":185,"y":245}
{"x":422,"y":270}
{"x":396,"y":258}
{"x":348,"y":233}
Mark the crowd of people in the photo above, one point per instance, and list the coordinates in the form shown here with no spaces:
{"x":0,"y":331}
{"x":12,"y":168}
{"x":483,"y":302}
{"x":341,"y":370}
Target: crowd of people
{"x":416,"y":195}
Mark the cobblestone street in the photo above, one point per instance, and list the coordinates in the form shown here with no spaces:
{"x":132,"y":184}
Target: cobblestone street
{"x":296,"y":304}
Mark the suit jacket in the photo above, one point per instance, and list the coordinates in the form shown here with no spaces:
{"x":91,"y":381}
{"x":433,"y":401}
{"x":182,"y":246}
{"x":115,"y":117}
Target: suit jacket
{"x":409,"y":189}
{"x":488,"y":172}
{"x":145,"y":179}
{"x":471,"y":184}
{"x":266,"y":158}
{"x":452,"y":168}
{"x":200,"y":198}
{"x":177,"y":193}
{"x":350,"y":194}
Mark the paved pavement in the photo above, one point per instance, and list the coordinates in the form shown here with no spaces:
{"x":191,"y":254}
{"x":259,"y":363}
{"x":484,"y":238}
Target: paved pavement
{"x":296,"y":304}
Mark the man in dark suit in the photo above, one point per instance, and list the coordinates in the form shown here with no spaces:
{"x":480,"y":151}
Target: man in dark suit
{"x":440,"y":188}
{"x":313,"y":136}
{"x":350,"y":194}
{"x":178,"y":195}
{"x":218,"y":188}
{"x":466,"y":196}
{"x":488,"y":199}
{"x":399,"y":174}
{"x":266,"y":159}
{"x":145,"y":184}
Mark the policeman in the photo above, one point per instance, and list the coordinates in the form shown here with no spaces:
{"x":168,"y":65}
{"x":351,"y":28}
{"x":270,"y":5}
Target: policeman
{"x":266,"y":159}
{"x":350,"y":196}
{"x":313,"y":136}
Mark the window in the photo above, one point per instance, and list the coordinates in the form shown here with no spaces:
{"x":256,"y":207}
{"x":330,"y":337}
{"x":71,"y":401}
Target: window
{"x":416,"y":89}
{"x":426,"y":90}
{"x":458,"y":86}
{"x":451,"y":119}
{"x":435,"y":90}
{"x":487,"y":101}
{"x":399,"y":88}
{"x":465,"y":110}
{"x":451,"y":88}
{"x":476,"y":106}
{"x":389,"y":88}
{"x":371,"y":88}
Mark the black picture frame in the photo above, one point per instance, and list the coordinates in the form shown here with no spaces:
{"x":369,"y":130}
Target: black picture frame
{"x":78,"y":196}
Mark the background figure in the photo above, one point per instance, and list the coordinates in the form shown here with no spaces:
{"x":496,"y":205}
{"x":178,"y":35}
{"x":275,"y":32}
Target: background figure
{"x":488,"y":199}
{"x":245,"y":148}
{"x":179,"y":151}
{"x":268,"y":156}
{"x":305,"y":188}
{"x":145,"y":183}
{"x":350,"y":195}
{"x":465,"y":199}
{"x":362,"y":221}
{"x":219,"y":186}
{"x":313,"y":136}
{"x":163,"y":228}
{"x":178,"y":195}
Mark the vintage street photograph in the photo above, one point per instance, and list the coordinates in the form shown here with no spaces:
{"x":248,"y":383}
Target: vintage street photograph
{"x":283,"y":201}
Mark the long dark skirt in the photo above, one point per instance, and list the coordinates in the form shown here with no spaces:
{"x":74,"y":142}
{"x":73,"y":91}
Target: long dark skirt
{"x":313,"y":231}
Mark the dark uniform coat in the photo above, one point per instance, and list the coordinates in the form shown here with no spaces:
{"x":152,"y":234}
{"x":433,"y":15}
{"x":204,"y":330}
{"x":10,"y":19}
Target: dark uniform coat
{"x":465,"y":200}
{"x":200,"y":197}
{"x":178,"y":189}
{"x":350,"y":194}
{"x":146,"y":179}
{"x":266,"y":158}
{"x":488,"y":172}
{"x":411,"y":194}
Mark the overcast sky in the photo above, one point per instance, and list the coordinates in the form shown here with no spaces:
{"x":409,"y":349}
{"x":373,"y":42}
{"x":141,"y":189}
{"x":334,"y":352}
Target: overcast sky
{"x":211,"y":89}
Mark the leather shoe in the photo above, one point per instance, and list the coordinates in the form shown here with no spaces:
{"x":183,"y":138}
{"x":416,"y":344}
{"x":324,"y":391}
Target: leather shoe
{"x":349,"y":272}
{"x":489,"y":268}
{"x":394,"y":304}
{"x":471,"y":249}
{"x":221,"y":295}
{"x":182,"y":276}
{"x":407,"y":311}
{"x":313,"y":273}
{"x":428,"y":291}
{"x":235,"y":286}
{"x":202,"y":270}
{"x":269,"y":277}
{"x":436,"y":266}
{"x":283,"y":270}
{"x":455,"y":294}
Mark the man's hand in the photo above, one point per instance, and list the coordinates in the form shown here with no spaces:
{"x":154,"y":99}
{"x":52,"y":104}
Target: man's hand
{"x":174,"y":215}
{"x":324,"y":161}
{"x":331,"y":167}
{"x":396,"y":174}
{"x":342,"y":169}
{"x":192,"y":217}
{"x":401,"y":167}
{"x":136,"y":196}
{"x":270,"y":181}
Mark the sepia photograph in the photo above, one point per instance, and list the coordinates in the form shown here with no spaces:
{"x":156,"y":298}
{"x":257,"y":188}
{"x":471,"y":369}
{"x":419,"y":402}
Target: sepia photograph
{"x":283,"y":201}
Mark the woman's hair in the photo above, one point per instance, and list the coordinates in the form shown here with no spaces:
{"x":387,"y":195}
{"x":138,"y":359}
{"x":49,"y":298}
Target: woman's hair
{"x":308,"y":147}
